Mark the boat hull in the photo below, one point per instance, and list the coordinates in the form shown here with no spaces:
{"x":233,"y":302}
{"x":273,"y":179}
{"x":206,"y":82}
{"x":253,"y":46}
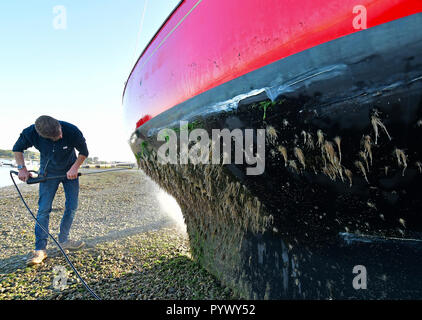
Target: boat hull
{"x":302,"y":231}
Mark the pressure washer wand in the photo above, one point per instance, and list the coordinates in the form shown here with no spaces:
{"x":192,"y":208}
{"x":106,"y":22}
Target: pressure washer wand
{"x":43,"y":179}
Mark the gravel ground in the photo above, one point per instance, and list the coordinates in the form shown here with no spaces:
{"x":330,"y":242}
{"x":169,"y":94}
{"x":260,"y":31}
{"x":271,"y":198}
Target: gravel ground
{"x":135,"y":250}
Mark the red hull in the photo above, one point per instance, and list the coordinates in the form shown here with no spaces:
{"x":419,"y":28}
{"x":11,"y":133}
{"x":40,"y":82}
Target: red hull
{"x":207,"y":43}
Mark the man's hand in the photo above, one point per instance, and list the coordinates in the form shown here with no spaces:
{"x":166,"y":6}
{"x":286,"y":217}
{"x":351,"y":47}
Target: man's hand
{"x":72,"y":173}
{"x":24,"y":175}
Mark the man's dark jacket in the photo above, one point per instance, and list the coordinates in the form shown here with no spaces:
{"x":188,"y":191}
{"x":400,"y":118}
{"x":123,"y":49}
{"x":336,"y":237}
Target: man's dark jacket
{"x":56,"y":156}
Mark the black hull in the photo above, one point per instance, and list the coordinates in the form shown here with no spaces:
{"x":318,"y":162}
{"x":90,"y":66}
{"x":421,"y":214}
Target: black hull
{"x":298,"y":231}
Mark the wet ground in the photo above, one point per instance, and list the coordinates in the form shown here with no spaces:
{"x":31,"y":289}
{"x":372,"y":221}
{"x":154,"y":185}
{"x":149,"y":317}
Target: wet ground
{"x":135,"y":249}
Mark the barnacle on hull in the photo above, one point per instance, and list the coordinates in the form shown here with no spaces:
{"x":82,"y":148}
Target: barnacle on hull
{"x":326,"y":170}
{"x":401,"y":159}
{"x":376,"y":122}
{"x":349,"y":175}
{"x":371,"y":205}
{"x":283,"y":152}
{"x":360,"y":166}
{"x":367,"y":146}
{"x":271,"y":134}
{"x":310,"y":141}
{"x":364,"y":158}
{"x":337,"y":140}
{"x":402,"y":222}
{"x":293,"y":165}
{"x":305,"y":135}
{"x":320,"y":136}
{"x":329,"y":151}
{"x":339,"y":169}
{"x":299,"y":155}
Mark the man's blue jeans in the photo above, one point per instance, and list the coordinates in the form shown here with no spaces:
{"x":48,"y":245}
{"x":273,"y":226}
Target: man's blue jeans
{"x":47,"y":191}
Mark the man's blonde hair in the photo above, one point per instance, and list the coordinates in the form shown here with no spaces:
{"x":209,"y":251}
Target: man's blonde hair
{"x":47,"y":127}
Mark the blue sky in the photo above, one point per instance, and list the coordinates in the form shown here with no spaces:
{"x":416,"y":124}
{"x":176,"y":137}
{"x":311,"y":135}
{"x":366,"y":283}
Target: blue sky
{"x":75,"y":74}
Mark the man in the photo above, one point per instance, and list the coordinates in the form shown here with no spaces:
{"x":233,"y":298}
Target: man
{"x":56,"y":141}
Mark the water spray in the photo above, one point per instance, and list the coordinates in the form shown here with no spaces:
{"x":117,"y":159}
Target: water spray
{"x":170,"y":206}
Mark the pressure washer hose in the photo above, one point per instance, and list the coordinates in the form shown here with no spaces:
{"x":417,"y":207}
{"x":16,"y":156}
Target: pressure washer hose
{"x":55,"y":241}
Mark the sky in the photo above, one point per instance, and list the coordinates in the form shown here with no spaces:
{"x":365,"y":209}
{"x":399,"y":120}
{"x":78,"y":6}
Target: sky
{"x":70,"y":60}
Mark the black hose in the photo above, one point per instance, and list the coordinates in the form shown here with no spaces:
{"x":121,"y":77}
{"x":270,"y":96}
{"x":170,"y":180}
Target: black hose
{"x":56,"y":242}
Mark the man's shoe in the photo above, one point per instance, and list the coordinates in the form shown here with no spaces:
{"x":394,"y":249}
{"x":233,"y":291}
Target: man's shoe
{"x":72,"y":245}
{"x":36,"y":257}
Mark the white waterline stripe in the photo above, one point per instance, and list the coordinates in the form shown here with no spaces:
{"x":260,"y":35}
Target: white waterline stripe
{"x":311,"y":76}
{"x":209,"y":109}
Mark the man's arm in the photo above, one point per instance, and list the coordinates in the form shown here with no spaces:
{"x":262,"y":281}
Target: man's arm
{"x":80,"y":145}
{"x":23,"y":143}
{"x":20,"y":161}
{"x":73,"y":171}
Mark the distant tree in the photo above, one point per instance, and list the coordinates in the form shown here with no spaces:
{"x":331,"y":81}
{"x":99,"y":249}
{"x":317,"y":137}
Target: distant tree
{"x":6,"y":154}
{"x":31,"y":155}
{"x":28,"y":155}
